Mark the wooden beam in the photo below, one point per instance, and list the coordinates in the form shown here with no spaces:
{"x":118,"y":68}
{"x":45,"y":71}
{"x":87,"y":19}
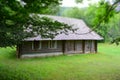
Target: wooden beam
{"x":96,"y":46}
{"x":74,"y":44}
{"x":83,"y":46}
{"x":63,"y":46}
{"x":18,"y":49}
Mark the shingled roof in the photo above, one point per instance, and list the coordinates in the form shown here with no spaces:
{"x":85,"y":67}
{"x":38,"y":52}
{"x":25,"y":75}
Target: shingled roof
{"x":83,"y":32}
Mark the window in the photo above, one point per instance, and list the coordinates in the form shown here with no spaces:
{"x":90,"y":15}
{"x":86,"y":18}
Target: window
{"x":88,"y":46}
{"x":40,"y":46}
{"x":36,"y":45}
{"x":78,"y":45}
{"x":52,"y":44}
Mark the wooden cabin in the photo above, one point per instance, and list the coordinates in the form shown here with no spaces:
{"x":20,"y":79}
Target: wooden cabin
{"x":82,"y":41}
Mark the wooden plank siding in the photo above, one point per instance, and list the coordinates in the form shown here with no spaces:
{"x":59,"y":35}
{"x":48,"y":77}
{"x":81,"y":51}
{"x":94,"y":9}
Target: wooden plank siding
{"x":27,"y":48}
{"x":89,"y":46}
{"x":78,"y":46}
{"x":63,"y":46}
{"x":69,"y":46}
{"x":96,"y":46}
{"x":83,"y":46}
{"x":74,"y":46}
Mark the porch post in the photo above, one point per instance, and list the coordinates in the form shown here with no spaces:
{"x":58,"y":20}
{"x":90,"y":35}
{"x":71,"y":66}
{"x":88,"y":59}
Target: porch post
{"x":96,"y":46}
{"x":63,"y":46}
{"x":83,"y":46}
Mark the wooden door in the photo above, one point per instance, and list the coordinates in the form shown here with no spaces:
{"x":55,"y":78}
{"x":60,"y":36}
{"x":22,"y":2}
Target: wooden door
{"x":92,"y":46}
{"x":88,"y":46}
{"x":70,"y":46}
{"x":78,"y":46}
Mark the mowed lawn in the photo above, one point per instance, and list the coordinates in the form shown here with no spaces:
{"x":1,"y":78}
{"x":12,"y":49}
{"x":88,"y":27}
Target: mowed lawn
{"x":105,"y":65}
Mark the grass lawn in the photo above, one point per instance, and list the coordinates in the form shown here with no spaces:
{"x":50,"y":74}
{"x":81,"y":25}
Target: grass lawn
{"x":102,"y":66}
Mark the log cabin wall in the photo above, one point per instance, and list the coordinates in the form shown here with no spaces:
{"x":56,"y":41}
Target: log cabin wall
{"x":80,"y":46}
{"x":66,"y":46}
{"x":74,"y":46}
{"x":69,"y":46}
{"x":96,"y":45}
{"x":90,"y":46}
{"x":27,"y":47}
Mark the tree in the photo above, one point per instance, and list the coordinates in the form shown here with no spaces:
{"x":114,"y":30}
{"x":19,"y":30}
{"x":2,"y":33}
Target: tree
{"x":74,"y":13}
{"x":52,"y":9}
{"x":15,"y":20}
{"x":108,"y":11}
{"x":103,"y":13}
{"x":78,"y":1}
{"x":114,"y":28}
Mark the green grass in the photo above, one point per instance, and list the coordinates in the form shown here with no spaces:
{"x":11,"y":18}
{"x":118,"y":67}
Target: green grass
{"x":102,"y":66}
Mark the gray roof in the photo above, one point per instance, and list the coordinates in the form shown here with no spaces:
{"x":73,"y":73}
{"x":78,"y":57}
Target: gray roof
{"x":83,"y":32}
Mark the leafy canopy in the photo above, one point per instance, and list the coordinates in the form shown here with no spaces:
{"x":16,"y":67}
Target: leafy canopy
{"x":16,"y":22}
{"x":100,"y":15}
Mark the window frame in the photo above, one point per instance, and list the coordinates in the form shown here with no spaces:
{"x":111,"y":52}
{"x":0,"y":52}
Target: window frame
{"x":40,"y":45}
{"x":33,"y":46}
{"x":50,"y":44}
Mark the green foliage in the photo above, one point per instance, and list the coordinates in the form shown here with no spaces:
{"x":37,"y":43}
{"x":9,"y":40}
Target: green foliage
{"x":103,"y":13}
{"x":116,"y":40}
{"x":15,"y":19}
{"x":114,"y":25}
{"x":90,"y":15}
{"x":52,"y":9}
{"x":74,"y":13}
{"x":46,"y":27}
{"x":102,"y":17}
{"x":114,"y":28}
{"x":78,"y":1}
{"x":102,"y":66}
